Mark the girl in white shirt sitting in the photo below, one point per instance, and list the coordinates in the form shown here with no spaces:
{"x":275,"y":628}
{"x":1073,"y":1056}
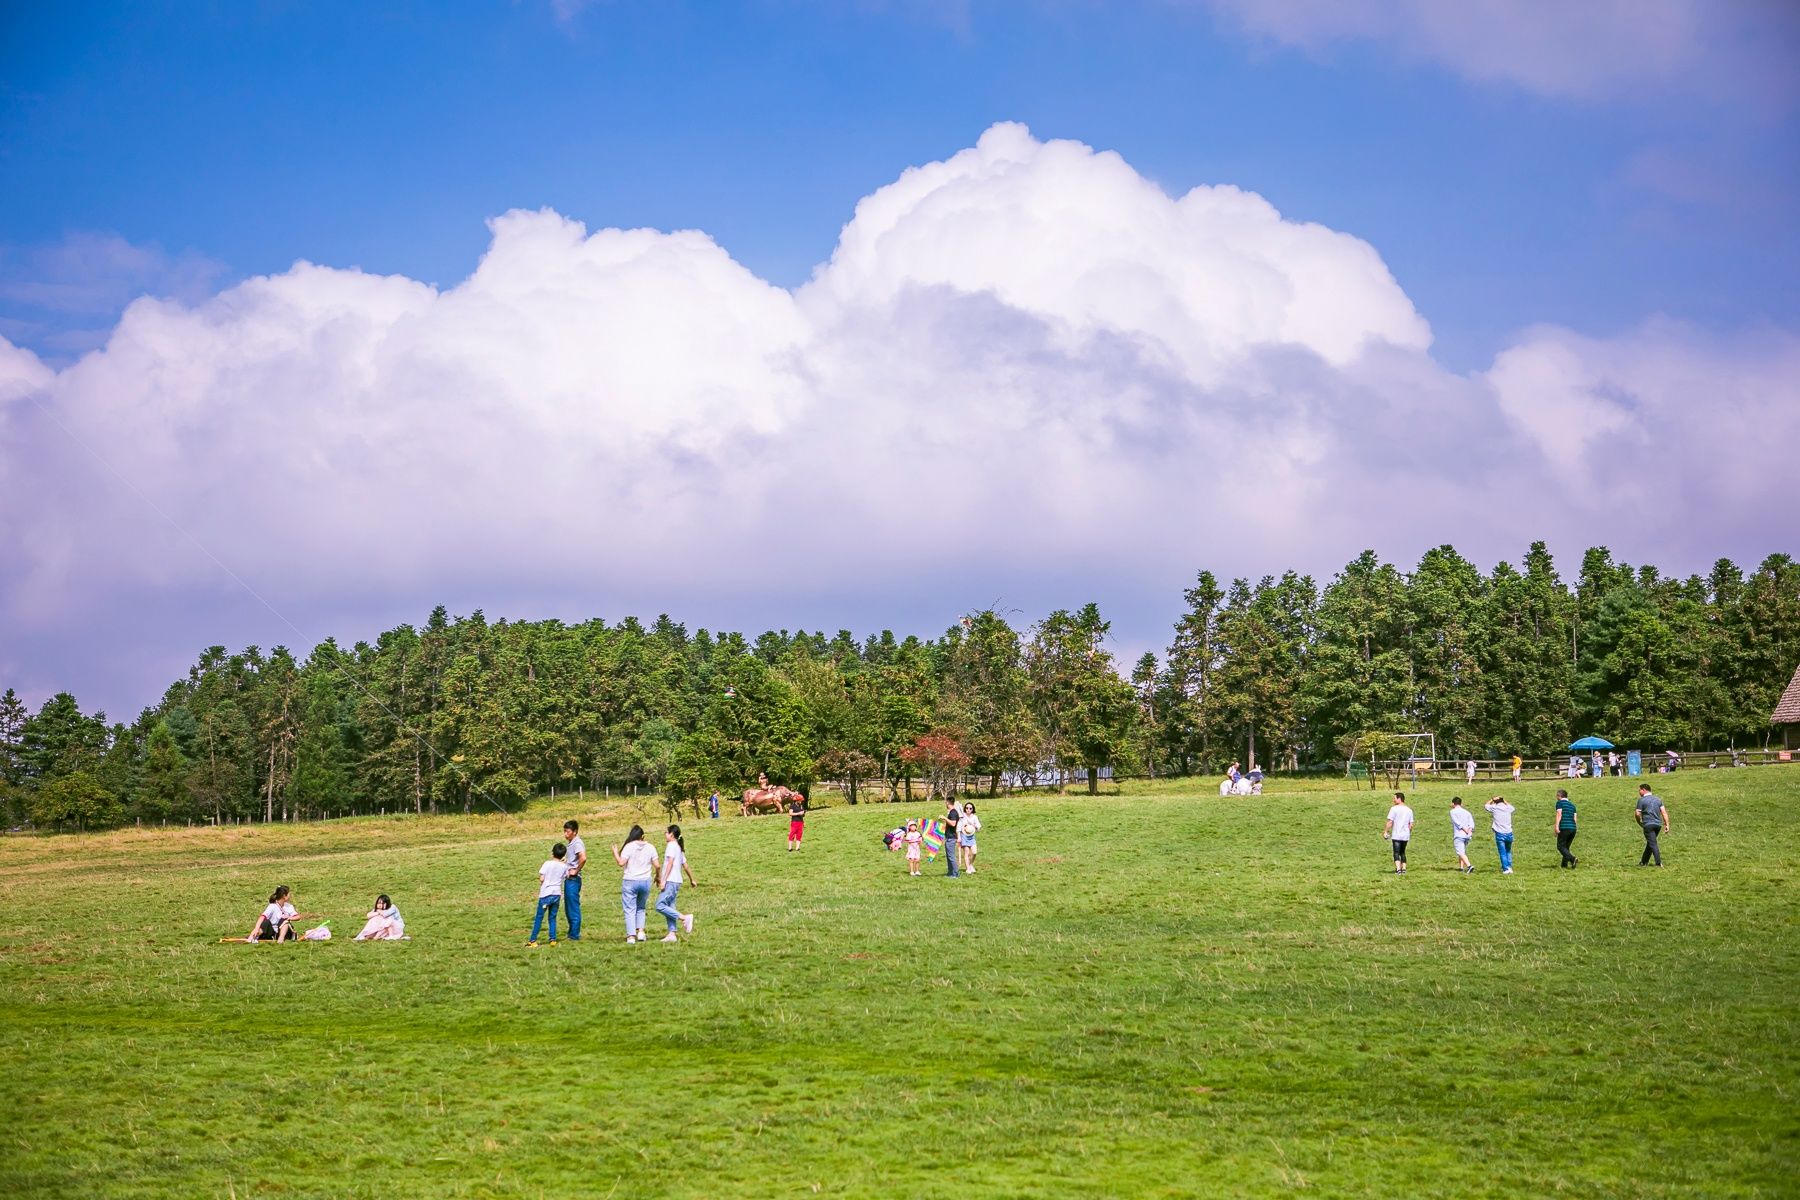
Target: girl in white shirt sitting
{"x":276,"y":922}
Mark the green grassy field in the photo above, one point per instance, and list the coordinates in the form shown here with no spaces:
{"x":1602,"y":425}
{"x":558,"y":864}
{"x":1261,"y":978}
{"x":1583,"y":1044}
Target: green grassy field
{"x":1156,"y":994}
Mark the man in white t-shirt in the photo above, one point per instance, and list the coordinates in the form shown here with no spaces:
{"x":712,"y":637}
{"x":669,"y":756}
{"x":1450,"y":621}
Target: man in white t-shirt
{"x":1462,"y":828}
{"x":1398,"y":830}
{"x":1502,"y":812}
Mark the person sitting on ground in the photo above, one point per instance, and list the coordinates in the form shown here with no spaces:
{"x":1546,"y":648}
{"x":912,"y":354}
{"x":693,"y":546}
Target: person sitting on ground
{"x":276,"y":922}
{"x":385,"y":923}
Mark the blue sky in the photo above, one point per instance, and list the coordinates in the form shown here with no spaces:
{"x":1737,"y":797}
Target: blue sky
{"x":383,"y":135}
{"x":1589,"y":205}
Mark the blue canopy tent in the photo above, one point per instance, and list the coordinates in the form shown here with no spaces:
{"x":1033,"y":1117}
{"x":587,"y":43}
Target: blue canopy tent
{"x":1591,"y":743}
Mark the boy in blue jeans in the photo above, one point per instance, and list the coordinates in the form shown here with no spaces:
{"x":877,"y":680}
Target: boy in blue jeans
{"x":550,"y":890}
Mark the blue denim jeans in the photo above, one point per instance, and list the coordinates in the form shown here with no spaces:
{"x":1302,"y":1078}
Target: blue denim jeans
{"x":665,"y":903}
{"x":572,"y":906}
{"x":950,"y":856}
{"x":1503,"y":843}
{"x":634,"y":898}
{"x":546,"y":904}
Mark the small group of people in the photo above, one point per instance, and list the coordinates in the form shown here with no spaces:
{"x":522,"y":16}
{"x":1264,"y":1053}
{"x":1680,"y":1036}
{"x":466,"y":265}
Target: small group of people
{"x":279,"y":922}
{"x":1651,"y":815}
{"x":559,"y":884}
{"x":1241,"y":783}
{"x":959,"y":826}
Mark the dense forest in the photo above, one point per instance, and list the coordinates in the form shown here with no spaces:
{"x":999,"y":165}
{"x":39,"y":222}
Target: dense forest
{"x":464,"y":713}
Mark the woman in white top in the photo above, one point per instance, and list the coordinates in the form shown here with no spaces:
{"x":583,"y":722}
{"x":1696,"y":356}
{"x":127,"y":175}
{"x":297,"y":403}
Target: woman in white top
{"x":966,"y":829}
{"x":276,"y":922}
{"x":674,"y":866}
{"x":385,"y":923}
{"x":638,"y":857}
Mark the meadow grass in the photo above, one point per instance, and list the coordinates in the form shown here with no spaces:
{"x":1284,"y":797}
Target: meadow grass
{"x":1154,"y":993}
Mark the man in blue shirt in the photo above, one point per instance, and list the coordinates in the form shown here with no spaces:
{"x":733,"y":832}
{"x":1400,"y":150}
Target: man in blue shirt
{"x":1653,"y":818}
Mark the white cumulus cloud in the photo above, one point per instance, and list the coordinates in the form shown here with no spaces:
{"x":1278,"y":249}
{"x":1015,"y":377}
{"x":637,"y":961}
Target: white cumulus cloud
{"x":1025,"y":370}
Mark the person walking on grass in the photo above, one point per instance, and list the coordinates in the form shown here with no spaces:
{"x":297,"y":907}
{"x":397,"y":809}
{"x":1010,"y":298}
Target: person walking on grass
{"x":1398,"y":830}
{"x":673,"y":868}
{"x":1518,"y":765}
{"x":712,"y":806}
{"x":550,"y":890}
{"x":1653,"y":819}
{"x":913,"y":840}
{"x":952,"y":848}
{"x":1502,"y":813}
{"x":638,"y":857}
{"x":796,"y":821}
{"x":1462,"y":828}
{"x":577,"y":858}
{"x":1565,"y":828}
{"x":966,"y":829}
{"x":1469,"y":772}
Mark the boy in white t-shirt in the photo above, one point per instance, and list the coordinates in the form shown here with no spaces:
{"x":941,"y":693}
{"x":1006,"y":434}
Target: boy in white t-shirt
{"x":1398,"y":830}
{"x":550,"y":890}
{"x":1462,"y":828}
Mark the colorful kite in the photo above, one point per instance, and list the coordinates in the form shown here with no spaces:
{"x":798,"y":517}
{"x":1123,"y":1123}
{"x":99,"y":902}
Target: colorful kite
{"x":931,"y":835}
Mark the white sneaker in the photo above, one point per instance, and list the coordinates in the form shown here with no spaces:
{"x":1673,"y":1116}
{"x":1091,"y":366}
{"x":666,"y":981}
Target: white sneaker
{"x":671,"y":938}
{"x":687,"y":922}
{"x":1508,"y":871}
{"x":629,"y":939}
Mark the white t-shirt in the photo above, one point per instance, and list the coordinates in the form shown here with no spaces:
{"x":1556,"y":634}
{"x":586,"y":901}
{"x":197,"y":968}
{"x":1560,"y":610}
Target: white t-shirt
{"x":1402,"y":817}
{"x":640,"y":860}
{"x":674,"y":858}
{"x":277,"y":913}
{"x":550,"y":876}
{"x":1462,"y":823}
{"x":577,"y":848}
{"x":1502,"y":813}
{"x":970,"y":825}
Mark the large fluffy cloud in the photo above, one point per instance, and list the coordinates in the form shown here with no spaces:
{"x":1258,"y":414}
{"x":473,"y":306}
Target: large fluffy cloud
{"x":1025,"y":370}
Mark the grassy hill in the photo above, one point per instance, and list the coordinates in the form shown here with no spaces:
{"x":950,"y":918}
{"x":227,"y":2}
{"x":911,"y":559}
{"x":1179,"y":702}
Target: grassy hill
{"x":1159,"y":993}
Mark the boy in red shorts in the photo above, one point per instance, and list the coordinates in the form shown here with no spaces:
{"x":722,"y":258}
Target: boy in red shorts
{"x":796,"y":821}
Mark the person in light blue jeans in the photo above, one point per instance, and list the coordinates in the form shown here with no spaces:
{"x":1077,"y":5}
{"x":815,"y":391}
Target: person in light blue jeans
{"x":638,"y":858}
{"x":673,"y":868}
{"x":1502,"y":813}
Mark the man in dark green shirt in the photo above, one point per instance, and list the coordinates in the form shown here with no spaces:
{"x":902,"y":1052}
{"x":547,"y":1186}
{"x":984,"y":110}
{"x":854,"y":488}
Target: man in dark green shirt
{"x":1653,"y":817}
{"x":1565,"y":828}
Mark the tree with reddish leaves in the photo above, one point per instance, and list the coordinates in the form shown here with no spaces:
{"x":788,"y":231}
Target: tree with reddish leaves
{"x":940,"y":758}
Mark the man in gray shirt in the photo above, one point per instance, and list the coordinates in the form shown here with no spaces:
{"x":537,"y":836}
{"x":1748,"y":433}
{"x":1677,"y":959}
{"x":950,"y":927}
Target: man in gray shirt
{"x":1653,"y":818}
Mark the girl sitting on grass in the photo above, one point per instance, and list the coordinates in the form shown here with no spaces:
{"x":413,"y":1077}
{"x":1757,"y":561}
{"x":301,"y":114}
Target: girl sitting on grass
{"x":276,"y":922}
{"x":385,"y":923}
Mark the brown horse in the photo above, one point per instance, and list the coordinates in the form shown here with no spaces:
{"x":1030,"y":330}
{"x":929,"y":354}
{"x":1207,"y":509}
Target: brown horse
{"x":765,"y":799}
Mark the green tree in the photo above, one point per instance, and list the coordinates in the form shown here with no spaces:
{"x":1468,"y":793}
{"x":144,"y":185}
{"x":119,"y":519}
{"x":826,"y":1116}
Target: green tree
{"x":1083,"y":708}
{"x":75,"y":800}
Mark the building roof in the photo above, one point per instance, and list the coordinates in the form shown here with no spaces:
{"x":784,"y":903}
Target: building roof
{"x":1788,"y":711}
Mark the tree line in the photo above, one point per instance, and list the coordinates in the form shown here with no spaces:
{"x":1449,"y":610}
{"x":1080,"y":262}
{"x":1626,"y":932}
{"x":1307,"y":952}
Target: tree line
{"x":463,"y":713}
